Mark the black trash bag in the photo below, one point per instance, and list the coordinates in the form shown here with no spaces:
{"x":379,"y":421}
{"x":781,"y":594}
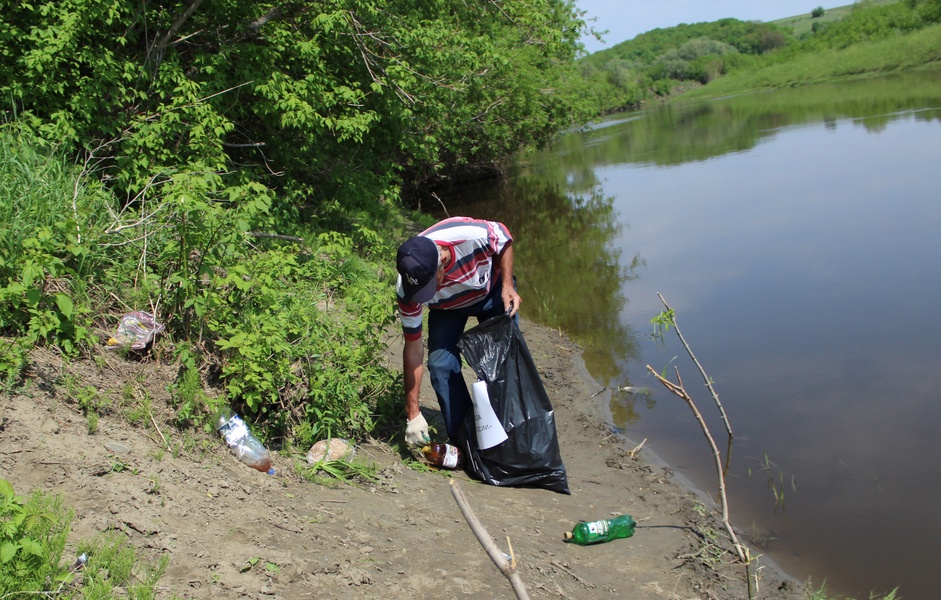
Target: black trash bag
{"x":530,"y":457}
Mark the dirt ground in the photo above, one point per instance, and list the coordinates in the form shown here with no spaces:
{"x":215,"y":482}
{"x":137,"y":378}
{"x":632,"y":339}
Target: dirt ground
{"x":232,"y":532}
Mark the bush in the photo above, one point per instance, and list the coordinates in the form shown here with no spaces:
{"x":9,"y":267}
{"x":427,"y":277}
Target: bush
{"x":817,"y":12}
{"x":33,"y":533}
{"x":292,"y":330}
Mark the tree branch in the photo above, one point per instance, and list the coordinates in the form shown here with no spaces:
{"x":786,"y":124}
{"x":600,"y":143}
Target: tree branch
{"x":165,"y":40}
{"x":715,"y":396}
{"x":271,"y":15}
{"x":678,"y":390}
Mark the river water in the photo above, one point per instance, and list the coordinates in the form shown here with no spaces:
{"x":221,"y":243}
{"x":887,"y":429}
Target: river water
{"x":797,"y":236}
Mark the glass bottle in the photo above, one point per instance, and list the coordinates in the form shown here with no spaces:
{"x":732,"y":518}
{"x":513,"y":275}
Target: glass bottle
{"x":605,"y":530}
{"x":443,"y":455}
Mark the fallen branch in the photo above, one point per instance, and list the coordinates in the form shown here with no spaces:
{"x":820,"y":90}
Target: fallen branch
{"x":678,"y":390}
{"x":702,"y":371}
{"x":637,"y":448}
{"x":507,"y":567}
{"x":165,"y":442}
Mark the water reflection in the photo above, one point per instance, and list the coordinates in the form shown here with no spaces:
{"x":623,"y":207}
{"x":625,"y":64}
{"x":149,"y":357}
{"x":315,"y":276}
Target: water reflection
{"x":680,"y":133}
{"x":795,"y":232}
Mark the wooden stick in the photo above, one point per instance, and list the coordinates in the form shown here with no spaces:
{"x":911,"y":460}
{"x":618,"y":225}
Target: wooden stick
{"x":702,"y":371}
{"x":637,"y":448}
{"x":507,"y":567}
{"x":154,"y":421}
{"x":680,"y":391}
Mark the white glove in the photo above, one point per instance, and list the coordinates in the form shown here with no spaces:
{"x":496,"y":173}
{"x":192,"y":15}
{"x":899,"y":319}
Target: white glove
{"x":416,"y":431}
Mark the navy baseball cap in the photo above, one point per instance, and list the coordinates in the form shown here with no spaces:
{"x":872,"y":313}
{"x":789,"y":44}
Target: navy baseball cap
{"x":417,"y":262}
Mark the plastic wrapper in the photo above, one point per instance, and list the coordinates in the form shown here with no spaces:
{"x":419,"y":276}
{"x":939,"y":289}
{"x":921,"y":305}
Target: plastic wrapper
{"x":331,"y":449}
{"x":135,"y":331}
{"x":530,"y":457}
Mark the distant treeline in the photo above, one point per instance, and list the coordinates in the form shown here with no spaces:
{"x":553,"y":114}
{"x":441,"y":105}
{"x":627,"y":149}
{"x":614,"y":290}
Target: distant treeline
{"x":668,"y":61}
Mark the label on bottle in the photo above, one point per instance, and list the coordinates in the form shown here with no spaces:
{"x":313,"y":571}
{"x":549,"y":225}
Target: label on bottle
{"x":598,"y":529}
{"x":450,"y":457}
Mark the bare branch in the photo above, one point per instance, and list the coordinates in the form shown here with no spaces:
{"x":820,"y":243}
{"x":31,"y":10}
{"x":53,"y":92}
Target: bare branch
{"x":271,"y":15}
{"x":165,"y":40}
{"x":702,"y":371}
{"x":679,"y":390}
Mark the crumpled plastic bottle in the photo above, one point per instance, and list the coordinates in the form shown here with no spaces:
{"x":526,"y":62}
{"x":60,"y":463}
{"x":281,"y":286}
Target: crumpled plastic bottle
{"x":240,"y":440}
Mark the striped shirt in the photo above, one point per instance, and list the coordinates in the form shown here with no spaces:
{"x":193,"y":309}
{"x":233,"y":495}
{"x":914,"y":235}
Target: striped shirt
{"x":473,"y":244}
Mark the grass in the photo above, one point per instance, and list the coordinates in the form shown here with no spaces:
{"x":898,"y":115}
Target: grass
{"x":33,"y":537}
{"x":895,"y":54}
{"x":801,"y":24}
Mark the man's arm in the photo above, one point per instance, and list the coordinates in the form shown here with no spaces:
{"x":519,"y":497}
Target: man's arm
{"x":413,"y":356}
{"x":416,"y":428}
{"x":511,"y":300}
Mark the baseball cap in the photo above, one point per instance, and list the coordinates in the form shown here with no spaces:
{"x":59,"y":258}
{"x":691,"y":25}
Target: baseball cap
{"x":417,"y":262}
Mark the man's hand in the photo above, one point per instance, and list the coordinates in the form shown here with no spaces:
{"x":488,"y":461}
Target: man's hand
{"x":511,"y":301}
{"x":416,"y":431}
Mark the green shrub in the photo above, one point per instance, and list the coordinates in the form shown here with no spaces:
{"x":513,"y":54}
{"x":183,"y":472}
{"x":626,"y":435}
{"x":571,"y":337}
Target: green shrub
{"x":47,"y":252}
{"x":33,"y":533}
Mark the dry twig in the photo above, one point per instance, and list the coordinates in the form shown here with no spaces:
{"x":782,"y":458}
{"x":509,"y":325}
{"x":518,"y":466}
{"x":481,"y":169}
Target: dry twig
{"x":637,"y":448}
{"x":715,"y":396}
{"x":678,"y":390}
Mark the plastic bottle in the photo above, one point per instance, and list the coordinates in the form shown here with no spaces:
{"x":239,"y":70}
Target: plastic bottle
{"x":443,"y":455}
{"x":243,"y":444}
{"x":605,"y":530}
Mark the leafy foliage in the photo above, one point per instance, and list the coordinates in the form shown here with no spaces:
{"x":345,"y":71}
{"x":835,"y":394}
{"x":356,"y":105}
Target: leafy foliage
{"x":324,"y":99}
{"x":698,"y":52}
{"x":239,"y":170}
{"x":290,"y":330}
{"x":33,"y":533}
{"x":113,"y":569}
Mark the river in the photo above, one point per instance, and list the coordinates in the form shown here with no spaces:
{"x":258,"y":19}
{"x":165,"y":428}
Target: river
{"x":797,"y":236}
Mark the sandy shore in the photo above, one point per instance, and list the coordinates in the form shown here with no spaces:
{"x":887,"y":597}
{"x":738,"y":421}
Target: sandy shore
{"x":231,"y":532}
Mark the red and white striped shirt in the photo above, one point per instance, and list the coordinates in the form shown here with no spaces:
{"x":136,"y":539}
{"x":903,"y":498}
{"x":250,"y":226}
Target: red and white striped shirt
{"x":473,"y":244}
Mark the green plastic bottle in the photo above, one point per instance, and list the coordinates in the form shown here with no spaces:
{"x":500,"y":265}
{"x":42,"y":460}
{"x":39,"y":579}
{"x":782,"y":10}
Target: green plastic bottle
{"x":605,"y":530}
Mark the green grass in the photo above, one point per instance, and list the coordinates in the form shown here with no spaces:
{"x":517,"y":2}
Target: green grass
{"x":802,"y":23}
{"x":895,"y":54}
{"x":32,"y":562}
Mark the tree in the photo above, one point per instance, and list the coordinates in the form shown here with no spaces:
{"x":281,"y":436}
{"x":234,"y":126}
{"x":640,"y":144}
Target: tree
{"x":335,"y":100}
{"x":817,"y":12}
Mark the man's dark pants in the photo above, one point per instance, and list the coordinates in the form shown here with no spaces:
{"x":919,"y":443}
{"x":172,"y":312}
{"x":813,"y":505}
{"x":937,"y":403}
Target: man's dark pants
{"x":444,"y":359}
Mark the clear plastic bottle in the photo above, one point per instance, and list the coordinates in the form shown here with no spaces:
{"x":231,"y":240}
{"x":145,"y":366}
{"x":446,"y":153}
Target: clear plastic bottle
{"x":443,"y":455}
{"x":243,"y":444}
{"x":605,"y":530}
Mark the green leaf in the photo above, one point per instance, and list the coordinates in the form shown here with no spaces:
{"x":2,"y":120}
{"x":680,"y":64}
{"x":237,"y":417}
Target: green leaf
{"x":33,"y":547}
{"x":8,"y":551}
{"x":65,"y":305}
{"x":6,"y":490}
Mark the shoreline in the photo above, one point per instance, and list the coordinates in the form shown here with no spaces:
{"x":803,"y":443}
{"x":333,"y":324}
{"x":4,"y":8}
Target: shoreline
{"x":230,"y":531}
{"x":602,"y":401}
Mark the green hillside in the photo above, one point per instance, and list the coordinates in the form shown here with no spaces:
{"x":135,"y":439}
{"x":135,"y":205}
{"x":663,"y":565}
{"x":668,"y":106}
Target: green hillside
{"x":667,"y":62}
{"x":802,"y":24}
